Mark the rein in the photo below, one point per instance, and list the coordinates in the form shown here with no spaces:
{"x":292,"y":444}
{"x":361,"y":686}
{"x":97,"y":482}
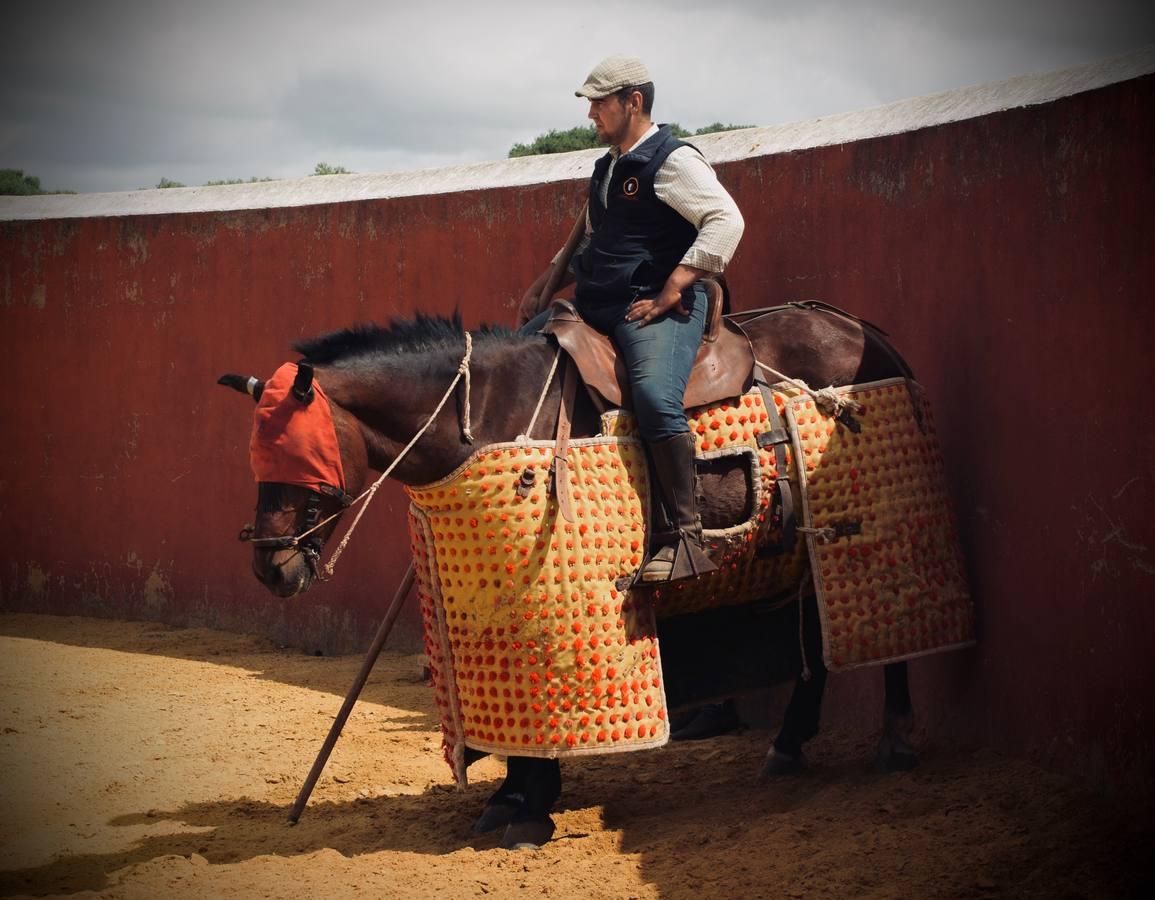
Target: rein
{"x":310,"y":549}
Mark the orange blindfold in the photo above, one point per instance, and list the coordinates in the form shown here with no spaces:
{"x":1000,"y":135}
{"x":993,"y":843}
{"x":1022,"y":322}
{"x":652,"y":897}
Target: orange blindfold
{"x":294,"y":442}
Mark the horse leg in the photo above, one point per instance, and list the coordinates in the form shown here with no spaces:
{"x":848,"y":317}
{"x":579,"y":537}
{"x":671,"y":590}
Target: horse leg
{"x":531,"y":825}
{"x":895,"y":754}
{"x":509,"y":797}
{"x":800,"y":723}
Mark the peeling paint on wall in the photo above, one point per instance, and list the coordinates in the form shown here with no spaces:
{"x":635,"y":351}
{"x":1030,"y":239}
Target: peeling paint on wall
{"x":35,"y":581}
{"x":158,"y":592}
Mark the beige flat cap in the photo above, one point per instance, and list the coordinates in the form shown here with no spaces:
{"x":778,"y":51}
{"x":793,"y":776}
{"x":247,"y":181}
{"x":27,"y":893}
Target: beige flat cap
{"x":611,"y":75}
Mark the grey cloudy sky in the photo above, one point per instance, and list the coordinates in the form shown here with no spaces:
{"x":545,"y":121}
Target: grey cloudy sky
{"x":115,"y":94}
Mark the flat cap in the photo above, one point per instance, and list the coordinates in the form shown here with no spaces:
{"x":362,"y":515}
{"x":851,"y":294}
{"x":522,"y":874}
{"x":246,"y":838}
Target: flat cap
{"x":611,"y":75}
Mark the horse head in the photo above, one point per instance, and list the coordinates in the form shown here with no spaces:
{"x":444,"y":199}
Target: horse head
{"x":308,"y":455}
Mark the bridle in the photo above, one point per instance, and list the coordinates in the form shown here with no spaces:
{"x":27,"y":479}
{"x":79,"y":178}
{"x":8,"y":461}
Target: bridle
{"x":307,"y":540}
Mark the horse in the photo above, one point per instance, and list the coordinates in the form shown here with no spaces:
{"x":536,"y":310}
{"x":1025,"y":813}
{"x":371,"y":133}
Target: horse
{"x":382,"y":384}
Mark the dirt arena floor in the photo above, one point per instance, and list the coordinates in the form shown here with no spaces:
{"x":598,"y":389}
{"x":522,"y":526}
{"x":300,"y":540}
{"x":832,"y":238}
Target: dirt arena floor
{"x":145,"y":761}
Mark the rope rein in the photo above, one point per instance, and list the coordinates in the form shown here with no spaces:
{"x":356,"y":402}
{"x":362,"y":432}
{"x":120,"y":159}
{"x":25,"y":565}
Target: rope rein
{"x":824,"y":535}
{"x":462,"y":369}
{"x":367,"y":494}
{"x":830,"y":401}
{"x":540,"y":400}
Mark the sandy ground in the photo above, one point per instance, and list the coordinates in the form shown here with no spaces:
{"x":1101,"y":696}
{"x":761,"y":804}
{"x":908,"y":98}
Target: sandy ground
{"x":145,"y":761}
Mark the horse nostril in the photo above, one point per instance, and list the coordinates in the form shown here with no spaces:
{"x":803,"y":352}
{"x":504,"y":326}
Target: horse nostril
{"x":286,"y":578}
{"x":267,"y":572}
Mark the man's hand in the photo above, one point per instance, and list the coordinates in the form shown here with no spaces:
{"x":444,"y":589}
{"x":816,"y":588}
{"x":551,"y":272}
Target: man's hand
{"x":529,"y":305}
{"x":645,"y":311}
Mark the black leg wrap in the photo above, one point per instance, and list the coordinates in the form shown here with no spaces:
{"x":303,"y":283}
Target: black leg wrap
{"x":897,"y":679}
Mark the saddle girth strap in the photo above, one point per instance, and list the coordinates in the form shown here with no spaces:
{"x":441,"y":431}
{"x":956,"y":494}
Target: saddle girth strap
{"x":559,"y":467}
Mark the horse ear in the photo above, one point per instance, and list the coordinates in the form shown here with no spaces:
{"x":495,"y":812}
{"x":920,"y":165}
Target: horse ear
{"x":303,"y":383}
{"x":243,"y":385}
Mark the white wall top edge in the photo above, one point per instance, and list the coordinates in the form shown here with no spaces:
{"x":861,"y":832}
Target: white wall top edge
{"x":893,"y":118}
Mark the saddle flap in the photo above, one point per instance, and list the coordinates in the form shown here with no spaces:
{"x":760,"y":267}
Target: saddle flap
{"x":594,"y":354}
{"x":723,"y":368}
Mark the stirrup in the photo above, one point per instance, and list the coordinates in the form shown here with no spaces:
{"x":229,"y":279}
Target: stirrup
{"x":682,"y":559}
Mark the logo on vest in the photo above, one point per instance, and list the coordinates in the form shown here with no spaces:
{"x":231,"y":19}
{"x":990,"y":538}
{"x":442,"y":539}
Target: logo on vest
{"x":630,"y":187}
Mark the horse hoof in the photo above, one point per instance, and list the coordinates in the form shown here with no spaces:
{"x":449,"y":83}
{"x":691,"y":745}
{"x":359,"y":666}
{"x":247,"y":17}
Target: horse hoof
{"x":895,"y":755}
{"x":895,"y":761}
{"x":496,"y":814}
{"x":527,"y":833}
{"x":707,"y":722}
{"x":781,"y":765}
{"x":903,"y":762}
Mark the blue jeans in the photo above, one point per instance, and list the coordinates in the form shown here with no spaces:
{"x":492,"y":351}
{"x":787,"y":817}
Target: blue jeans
{"x":658,"y":358}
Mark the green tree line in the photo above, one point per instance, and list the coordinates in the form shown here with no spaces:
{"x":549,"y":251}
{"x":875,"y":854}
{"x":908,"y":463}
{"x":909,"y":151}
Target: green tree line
{"x":585,"y":137}
{"x":13,"y":182}
{"x":322,"y":168}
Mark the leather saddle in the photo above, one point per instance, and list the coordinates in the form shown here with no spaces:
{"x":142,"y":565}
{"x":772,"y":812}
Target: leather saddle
{"x":724,"y":366}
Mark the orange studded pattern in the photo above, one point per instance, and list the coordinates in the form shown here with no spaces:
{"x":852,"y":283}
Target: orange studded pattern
{"x":741,"y":576}
{"x":897,"y":589}
{"x":436,"y":645}
{"x":533,"y":648}
{"x":535,"y":651}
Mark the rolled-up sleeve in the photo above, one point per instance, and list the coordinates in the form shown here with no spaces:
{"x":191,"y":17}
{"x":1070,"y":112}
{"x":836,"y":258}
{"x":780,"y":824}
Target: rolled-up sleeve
{"x":688,"y":184}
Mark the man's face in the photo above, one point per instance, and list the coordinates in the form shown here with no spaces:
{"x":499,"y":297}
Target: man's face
{"x":611,"y":118}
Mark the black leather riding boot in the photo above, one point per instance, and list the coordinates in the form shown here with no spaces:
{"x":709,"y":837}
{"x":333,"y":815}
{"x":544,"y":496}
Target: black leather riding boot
{"x":681,"y":555}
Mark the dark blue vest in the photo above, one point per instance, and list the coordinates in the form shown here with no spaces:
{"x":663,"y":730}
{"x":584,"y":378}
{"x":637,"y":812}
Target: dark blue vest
{"x":637,"y":239}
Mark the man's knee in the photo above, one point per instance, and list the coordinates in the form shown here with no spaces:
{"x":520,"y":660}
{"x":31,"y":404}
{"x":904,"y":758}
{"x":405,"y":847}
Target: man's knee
{"x":659,"y":413}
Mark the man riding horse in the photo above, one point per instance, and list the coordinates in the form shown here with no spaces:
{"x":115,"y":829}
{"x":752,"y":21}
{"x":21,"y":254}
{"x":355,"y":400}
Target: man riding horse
{"x":658,"y":220}
{"x":887,"y":584}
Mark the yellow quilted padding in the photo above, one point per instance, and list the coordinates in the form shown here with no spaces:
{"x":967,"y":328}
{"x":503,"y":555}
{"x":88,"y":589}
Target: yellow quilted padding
{"x":536,"y":650}
{"x":895,"y":588}
{"x":743,"y":575}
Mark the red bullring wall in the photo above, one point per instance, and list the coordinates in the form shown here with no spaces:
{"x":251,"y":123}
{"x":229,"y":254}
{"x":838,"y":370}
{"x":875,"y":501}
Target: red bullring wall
{"x":1008,"y":251}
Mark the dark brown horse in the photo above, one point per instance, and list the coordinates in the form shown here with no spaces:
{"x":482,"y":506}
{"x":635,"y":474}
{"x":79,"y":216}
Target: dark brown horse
{"x":383,"y":384}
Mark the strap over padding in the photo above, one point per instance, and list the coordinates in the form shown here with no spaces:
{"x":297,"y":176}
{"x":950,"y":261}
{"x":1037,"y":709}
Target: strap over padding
{"x":559,"y":468}
{"x":777,"y":438}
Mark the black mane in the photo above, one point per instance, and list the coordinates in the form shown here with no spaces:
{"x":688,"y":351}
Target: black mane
{"x":421,"y":333}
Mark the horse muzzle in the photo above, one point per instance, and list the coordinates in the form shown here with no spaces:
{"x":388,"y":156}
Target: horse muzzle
{"x":285,"y":572}
{"x":284,"y":564}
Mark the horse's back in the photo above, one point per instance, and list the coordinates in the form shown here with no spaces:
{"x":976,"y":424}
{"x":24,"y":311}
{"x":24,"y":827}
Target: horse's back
{"x":820,"y":347}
